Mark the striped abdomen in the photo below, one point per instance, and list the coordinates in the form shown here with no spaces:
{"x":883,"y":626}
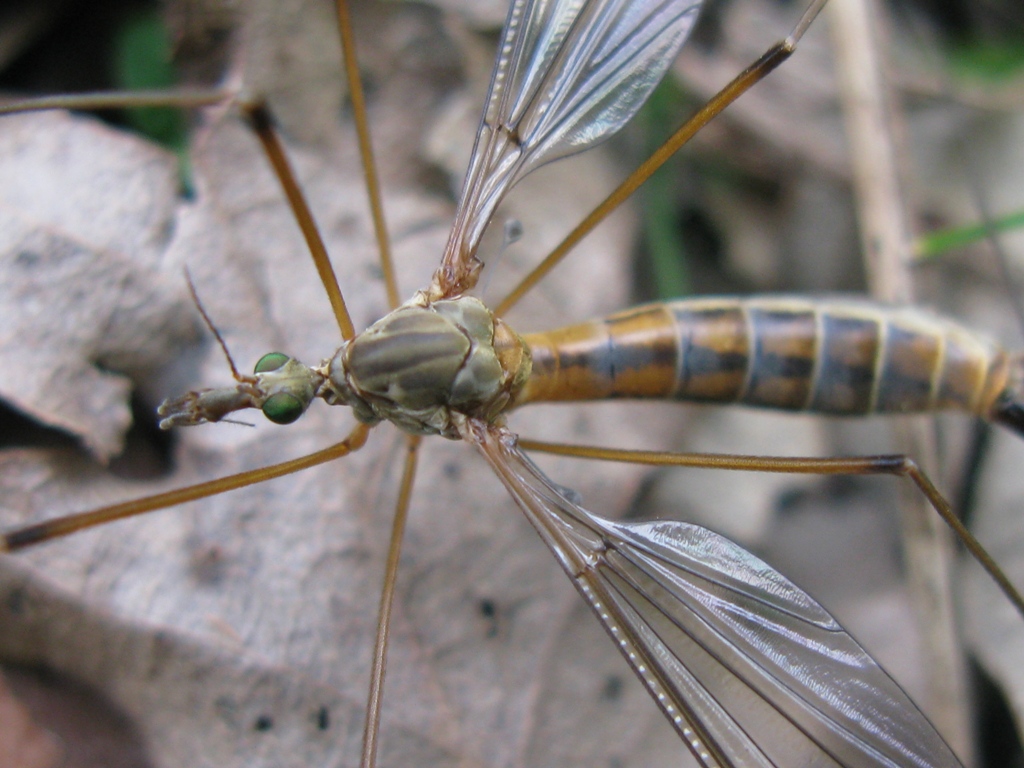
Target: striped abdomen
{"x":844,"y":357}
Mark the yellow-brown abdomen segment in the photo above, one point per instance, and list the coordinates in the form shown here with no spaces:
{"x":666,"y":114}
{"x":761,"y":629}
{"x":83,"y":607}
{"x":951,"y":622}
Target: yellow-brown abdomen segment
{"x":845,"y":357}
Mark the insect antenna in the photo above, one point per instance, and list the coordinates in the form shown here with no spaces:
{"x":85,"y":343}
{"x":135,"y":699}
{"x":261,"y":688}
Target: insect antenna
{"x":220,"y":342}
{"x":209,"y":324}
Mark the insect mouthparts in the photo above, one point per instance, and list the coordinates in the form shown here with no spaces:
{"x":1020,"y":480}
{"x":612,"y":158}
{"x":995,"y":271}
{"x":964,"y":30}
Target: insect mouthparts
{"x":281,"y":387}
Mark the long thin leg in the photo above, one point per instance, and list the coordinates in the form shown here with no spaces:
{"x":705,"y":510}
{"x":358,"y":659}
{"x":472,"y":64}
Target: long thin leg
{"x":753,"y":74}
{"x":355,"y":92}
{"x":374,"y":704}
{"x":262,"y":124}
{"x":98,"y":100}
{"x":901,"y":466}
{"x":62,"y":526}
{"x":371,"y":727}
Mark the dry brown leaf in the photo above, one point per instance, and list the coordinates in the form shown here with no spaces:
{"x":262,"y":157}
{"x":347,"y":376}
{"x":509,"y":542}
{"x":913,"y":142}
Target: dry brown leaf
{"x":23,"y":743}
{"x":237,"y":631}
{"x":82,"y":284}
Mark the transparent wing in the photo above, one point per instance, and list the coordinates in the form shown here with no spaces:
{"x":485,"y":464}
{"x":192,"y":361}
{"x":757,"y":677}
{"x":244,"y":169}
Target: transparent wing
{"x":749,"y":668}
{"x":569,"y":74}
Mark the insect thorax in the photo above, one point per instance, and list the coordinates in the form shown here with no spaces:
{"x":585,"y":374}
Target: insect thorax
{"x":426,"y":365}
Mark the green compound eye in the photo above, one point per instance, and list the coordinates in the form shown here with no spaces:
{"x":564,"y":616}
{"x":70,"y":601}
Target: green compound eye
{"x":270,"y":362}
{"x":282,"y":407}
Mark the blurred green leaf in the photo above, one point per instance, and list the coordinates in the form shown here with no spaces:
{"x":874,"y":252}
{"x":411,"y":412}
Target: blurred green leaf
{"x":936,"y":243}
{"x":666,"y":248}
{"x":988,"y":61}
{"x":142,"y":60}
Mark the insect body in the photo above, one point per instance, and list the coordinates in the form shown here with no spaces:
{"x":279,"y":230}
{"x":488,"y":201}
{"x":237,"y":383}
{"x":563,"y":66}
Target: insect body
{"x":428,"y":366}
{"x":842,"y":357}
{"x":655,"y":586}
{"x":451,"y":368}
{"x":747,"y":668}
{"x":423,"y":367}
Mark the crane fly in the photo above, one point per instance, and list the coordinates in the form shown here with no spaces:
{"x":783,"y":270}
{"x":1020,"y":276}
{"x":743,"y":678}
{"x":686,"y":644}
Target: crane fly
{"x":747,"y":667}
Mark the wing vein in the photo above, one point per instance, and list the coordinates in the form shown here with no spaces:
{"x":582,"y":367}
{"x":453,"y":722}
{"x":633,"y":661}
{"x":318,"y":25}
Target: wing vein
{"x":749,"y":669}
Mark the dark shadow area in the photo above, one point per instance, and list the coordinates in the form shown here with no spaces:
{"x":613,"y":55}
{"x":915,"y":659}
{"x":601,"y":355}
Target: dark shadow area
{"x":998,"y":743}
{"x":88,"y":730}
{"x":147,"y":453}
